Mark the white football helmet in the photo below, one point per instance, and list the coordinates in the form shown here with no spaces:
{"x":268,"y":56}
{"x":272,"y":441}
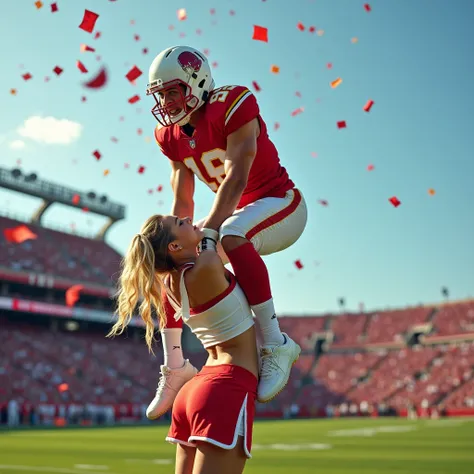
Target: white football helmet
{"x":185,"y":66}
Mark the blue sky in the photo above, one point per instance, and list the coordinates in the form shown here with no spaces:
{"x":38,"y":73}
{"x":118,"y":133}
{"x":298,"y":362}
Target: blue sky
{"x":411,"y":58}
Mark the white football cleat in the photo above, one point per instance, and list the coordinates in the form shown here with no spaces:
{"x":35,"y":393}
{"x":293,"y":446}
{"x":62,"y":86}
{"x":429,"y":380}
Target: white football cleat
{"x":276,"y":363}
{"x":169,"y":385}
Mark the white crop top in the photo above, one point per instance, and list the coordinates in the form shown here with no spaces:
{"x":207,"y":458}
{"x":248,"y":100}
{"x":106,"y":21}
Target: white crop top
{"x":226,"y":316}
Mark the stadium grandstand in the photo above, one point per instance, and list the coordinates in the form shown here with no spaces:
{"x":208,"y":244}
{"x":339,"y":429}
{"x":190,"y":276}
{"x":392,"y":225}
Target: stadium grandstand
{"x":56,"y":305}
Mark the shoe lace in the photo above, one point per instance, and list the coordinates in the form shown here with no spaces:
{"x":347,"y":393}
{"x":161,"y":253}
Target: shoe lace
{"x":269,"y":364}
{"x":164,"y":380}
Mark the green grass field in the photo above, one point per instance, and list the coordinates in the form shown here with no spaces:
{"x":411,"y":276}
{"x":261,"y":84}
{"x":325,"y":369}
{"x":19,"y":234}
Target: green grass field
{"x":280,"y":447}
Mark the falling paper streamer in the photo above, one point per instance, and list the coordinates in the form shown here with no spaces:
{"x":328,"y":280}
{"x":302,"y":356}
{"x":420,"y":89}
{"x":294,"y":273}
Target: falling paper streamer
{"x":297,"y":111}
{"x":98,"y":81}
{"x":19,"y":234}
{"x":395,"y":202}
{"x":368,"y":105}
{"x":73,"y":294}
{"x":88,"y":21}
{"x":133,"y":74}
{"x":81,"y":67}
{"x":85,"y":48}
{"x":260,"y":33}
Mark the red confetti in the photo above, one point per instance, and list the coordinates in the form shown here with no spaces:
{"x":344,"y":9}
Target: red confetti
{"x":83,"y":98}
{"x":260,"y":33}
{"x":368,"y":105}
{"x":145,"y":50}
{"x":329,"y":65}
{"x":298,"y":94}
{"x":27,"y":76}
{"x":75,"y":199}
{"x":300,"y":26}
{"x":81,"y":67}
{"x":231,"y":12}
{"x":54,"y":7}
{"x":133,"y":74}
{"x":98,"y":81}
{"x":394,"y":200}
{"x":19,"y":234}
{"x":97,"y":154}
{"x":85,"y":48}
{"x":341,"y":124}
{"x":114,"y":139}
{"x":276,"y":126}
{"x":47,"y":79}
{"x":212,"y":11}
{"x":298,"y":264}
{"x":136,"y":37}
{"x":88,"y":21}
{"x":314,"y":154}
{"x":256,"y":86}
{"x":141,"y":169}
{"x":323,"y":202}
{"x":367,"y":7}
{"x":97,"y":35}
{"x":215,"y":64}
{"x":159,"y":188}
{"x":126,"y":165}
{"x":57,"y":70}
{"x":134,"y":99}
{"x":312,"y":29}
{"x":63,"y":387}
{"x":370,"y":167}
{"x":297,"y":111}
{"x":139,"y":131}
{"x":72,"y":296}
{"x":150,"y":191}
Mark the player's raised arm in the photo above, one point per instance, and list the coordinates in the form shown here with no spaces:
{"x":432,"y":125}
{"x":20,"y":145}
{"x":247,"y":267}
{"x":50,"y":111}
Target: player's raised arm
{"x":240,"y":153}
{"x":182,"y":184}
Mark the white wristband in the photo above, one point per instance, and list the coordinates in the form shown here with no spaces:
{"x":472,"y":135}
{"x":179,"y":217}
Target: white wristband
{"x":209,"y":241}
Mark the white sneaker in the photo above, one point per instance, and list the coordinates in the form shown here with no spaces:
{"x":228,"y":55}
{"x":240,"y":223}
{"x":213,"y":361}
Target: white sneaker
{"x":170,"y":383}
{"x":276,"y":362}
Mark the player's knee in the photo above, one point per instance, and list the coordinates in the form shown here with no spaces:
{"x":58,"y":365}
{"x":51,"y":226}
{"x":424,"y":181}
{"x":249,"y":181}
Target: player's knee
{"x":231,"y":242}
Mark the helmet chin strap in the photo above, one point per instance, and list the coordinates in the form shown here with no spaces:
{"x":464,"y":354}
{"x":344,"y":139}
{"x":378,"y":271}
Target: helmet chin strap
{"x":184,"y":121}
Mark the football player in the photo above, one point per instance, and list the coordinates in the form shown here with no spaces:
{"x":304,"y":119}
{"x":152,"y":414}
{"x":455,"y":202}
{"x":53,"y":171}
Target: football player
{"x":218,"y":135}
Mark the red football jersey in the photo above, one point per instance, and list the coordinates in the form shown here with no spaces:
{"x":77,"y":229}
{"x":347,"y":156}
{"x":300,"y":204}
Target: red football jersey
{"x":228,"y":109}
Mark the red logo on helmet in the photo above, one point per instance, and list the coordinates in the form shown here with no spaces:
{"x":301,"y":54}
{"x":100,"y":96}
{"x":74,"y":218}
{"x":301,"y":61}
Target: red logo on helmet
{"x":189,"y":62}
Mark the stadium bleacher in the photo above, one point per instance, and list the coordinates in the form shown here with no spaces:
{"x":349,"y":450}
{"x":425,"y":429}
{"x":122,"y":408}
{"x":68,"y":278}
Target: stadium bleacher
{"x":364,"y":363}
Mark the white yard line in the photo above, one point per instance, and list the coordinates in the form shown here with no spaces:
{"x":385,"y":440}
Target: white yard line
{"x":59,"y":470}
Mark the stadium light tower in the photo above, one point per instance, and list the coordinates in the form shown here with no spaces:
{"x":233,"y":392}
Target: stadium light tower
{"x":50,"y":193}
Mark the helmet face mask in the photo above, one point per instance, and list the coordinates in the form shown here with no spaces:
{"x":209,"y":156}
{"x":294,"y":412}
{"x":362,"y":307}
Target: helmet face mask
{"x":180,"y":81}
{"x":174,"y":103}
